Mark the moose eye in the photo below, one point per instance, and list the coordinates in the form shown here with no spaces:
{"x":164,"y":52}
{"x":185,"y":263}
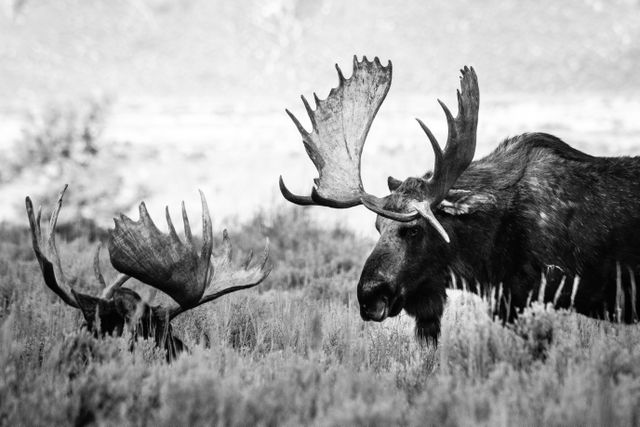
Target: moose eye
{"x":411,"y":231}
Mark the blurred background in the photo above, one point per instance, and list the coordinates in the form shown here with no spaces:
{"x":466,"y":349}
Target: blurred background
{"x":153,"y":99}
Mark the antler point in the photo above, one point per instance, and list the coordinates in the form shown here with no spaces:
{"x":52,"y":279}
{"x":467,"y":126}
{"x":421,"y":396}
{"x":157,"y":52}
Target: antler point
{"x":297,"y":123}
{"x":340,"y":75}
{"x":309,"y":111}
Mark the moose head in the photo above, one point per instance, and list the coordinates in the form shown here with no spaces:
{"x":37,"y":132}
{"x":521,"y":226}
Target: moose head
{"x":138,"y":249}
{"x":403,"y":271}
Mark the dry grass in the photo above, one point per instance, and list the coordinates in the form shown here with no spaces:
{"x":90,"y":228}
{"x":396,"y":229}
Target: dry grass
{"x":296,"y":352}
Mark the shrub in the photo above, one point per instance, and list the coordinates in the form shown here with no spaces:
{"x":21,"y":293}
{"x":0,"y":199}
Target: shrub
{"x":64,"y":144}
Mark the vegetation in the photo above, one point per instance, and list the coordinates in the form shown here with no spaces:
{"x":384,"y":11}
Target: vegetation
{"x":64,"y":143}
{"x":295,"y":351}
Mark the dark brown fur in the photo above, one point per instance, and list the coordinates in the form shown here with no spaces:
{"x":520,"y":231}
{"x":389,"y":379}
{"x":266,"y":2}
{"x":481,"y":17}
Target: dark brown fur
{"x":532,"y":206}
{"x":126,"y":310}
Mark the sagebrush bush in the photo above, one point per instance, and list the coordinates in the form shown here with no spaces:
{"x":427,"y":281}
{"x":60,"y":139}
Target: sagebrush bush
{"x":307,"y":254}
{"x":297,"y":352}
{"x":64,"y":143}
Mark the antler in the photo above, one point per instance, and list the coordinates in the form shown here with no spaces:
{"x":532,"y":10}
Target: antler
{"x":46,"y":250}
{"x":340,"y":127}
{"x":108,"y":290}
{"x":174,"y":267}
{"x":461,"y":139}
{"x":449,"y":165}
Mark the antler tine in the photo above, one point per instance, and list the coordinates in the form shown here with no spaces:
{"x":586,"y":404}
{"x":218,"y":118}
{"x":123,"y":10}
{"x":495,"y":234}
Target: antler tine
{"x":340,"y":75}
{"x":437,"y":151}
{"x":172,"y":229}
{"x":120,"y":280}
{"x":185,"y":221}
{"x":46,"y":251}
{"x":38,"y":219}
{"x":96,"y":266}
{"x":309,"y":112}
{"x":207,"y":237}
{"x":340,"y":127}
{"x":51,"y":240}
{"x":297,"y":123}
{"x":294,"y":198}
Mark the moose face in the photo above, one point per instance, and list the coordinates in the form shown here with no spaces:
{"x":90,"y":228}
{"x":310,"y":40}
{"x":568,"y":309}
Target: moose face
{"x":391,"y":273}
{"x":408,"y":268}
{"x":404,"y":262}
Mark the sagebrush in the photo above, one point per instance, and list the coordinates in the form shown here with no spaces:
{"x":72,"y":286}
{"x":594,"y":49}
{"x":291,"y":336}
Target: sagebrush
{"x":295,"y":351}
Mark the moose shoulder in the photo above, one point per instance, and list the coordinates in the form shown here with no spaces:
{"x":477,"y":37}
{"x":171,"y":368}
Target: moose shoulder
{"x":534,"y":211}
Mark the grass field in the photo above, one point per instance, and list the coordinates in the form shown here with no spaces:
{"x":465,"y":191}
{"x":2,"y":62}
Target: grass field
{"x":295,"y":351}
{"x":153,"y":99}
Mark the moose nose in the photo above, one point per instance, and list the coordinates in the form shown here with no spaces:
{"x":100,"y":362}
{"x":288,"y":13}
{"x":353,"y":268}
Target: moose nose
{"x":376,"y":310}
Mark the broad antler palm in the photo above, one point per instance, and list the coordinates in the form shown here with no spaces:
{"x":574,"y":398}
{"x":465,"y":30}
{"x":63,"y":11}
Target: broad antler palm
{"x":340,"y":127}
{"x":174,"y":267}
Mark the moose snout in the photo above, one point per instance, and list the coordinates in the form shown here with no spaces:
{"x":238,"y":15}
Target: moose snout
{"x":375,"y":309}
{"x":373,"y":297}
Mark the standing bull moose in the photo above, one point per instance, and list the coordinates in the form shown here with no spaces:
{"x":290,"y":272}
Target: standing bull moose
{"x":499,"y":223}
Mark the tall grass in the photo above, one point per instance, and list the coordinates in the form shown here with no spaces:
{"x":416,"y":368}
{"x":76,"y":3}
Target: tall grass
{"x":295,"y":351}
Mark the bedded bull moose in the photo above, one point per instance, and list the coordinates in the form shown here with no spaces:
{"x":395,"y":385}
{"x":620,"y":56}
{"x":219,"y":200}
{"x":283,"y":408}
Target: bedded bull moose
{"x":138,"y":249}
{"x":536,"y":218}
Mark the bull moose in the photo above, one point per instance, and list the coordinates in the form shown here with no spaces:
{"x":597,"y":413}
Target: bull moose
{"x":138,"y":250}
{"x":502,"y":223}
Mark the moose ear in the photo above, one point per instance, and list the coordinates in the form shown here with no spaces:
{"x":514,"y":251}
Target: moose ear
{"x":462,"y":202}
{"x":393,"y":183}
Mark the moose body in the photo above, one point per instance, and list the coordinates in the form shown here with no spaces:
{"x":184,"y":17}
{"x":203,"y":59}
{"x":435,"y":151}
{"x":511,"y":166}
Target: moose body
{"x":534,"y":216}
{"x":533,"y":210}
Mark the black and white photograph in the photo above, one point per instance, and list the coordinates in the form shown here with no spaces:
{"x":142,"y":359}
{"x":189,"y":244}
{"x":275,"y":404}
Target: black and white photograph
{"x":319,"y":213}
